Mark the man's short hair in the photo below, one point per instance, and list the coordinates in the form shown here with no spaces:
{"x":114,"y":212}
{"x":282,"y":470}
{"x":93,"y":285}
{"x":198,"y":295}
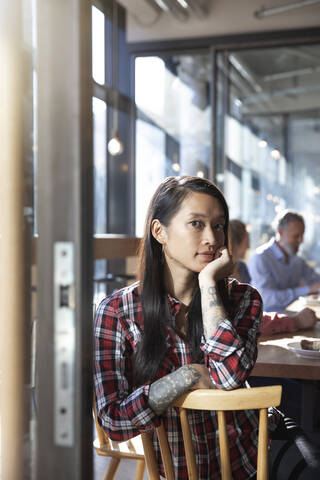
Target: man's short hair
{"x":285,"y":217}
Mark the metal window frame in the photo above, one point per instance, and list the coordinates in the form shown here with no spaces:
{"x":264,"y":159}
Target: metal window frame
{"x":216,"y":44}
{"x":65,"y":215}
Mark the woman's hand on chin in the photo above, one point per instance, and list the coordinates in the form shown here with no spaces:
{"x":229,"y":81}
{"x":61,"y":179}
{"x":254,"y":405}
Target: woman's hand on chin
{"x":221,"y":267}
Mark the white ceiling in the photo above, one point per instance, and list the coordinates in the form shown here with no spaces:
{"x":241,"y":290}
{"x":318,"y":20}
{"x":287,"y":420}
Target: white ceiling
{"x":226,"y":17}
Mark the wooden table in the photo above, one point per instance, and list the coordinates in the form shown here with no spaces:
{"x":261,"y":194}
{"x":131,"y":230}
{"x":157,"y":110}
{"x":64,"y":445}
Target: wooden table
{"x":275,"y":359}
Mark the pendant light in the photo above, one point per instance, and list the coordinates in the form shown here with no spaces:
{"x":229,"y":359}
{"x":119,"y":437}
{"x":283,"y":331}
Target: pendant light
{"x":115,"y":146}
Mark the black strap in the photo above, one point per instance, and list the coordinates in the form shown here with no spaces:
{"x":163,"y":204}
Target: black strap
{"x":275,"y":464}
{"x":295,"y":474}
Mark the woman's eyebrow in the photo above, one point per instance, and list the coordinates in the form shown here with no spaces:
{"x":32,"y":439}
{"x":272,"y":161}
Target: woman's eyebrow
{"x":195,"y":214}
{"x":203,"y":215}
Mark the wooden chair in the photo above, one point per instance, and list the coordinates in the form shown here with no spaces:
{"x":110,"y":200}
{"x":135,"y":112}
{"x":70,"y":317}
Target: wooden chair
{"x":241,"y":399}
{"x":131,"y":449}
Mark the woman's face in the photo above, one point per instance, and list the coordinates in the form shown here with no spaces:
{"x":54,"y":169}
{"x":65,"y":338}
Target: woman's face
{"x":194,"y":234}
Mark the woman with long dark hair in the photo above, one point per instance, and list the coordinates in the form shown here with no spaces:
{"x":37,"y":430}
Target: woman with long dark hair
{"x":184,"y":325}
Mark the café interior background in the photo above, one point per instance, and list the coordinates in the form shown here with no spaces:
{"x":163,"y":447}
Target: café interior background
{"x":228,"y":90}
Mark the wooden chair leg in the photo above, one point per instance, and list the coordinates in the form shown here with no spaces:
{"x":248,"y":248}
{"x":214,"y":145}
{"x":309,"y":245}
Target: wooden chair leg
{"x":112,"y":468}
{"x":141,"y":464}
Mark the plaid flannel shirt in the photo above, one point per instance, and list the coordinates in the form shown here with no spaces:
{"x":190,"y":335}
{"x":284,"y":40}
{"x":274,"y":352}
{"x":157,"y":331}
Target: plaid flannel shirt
{"x":230,"y":355}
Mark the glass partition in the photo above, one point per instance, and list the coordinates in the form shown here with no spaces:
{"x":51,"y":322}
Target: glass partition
{"x":267,"y":137}
{"x":173,"y":124}
{"x":99,"y":109}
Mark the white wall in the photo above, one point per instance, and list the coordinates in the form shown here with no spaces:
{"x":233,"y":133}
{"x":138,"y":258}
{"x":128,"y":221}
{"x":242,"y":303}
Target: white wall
{"x":226,"y":17}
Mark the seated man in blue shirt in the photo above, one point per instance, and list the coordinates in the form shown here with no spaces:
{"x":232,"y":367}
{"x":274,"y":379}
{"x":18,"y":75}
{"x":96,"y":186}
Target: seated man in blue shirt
{"x":277,"y":271}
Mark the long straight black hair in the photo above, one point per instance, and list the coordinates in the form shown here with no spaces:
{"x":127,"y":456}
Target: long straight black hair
{"x":151,"y":350}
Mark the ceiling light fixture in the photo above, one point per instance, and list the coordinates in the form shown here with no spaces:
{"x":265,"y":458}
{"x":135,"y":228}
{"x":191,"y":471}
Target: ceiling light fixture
{"x":265,"y":12}
{"x":275,"y":154}
{"x":176,"y":166}
{"x":115,"y":146}
{"x":162,"y":5}
{"x":183,"y":3}
{"x":177,"y":8}
{"x":182,"y":9}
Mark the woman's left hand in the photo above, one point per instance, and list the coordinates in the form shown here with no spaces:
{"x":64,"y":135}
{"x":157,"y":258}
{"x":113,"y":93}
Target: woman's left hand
{"x":221,"y":267}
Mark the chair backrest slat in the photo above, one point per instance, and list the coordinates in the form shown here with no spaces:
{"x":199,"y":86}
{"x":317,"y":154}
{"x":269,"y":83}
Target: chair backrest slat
{"x":150,"y":456}
{"x":224,"y":447}
{"x":188,"y":445}
{"x":259,"y":398}
{"x":262,"y":462}
{"x":165,"y":452}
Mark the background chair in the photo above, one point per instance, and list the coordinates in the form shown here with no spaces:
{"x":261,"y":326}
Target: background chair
{"x":131,"y":449}
{"x":219,"y":400}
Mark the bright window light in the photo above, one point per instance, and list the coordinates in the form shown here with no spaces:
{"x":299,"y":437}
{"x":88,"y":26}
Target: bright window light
{"x":150,"y":84}
{"x":98,"y":42}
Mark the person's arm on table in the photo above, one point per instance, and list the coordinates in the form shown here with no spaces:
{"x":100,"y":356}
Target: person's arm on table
{"x":273,"y":322}
{"x":305,"y":319}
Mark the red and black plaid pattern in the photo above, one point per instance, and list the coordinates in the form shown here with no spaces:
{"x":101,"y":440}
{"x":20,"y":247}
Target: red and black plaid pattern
{"x":230,"y":355}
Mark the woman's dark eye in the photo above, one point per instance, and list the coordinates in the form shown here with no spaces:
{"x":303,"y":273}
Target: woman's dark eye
{"x":196,"y":223}
{"x":219,"y":226}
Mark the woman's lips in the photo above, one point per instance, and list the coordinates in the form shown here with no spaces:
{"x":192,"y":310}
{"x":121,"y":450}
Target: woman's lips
{"x":207,"y":255}
{"x":210,"y":255}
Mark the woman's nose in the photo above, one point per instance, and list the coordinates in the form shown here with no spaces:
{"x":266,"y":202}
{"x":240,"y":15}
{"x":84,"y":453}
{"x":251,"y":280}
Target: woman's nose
{"x":209,"y":236}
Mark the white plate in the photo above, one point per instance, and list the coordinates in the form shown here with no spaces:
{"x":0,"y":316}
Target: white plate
{"x":296,"y":348}
{"x":310,"y":300}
